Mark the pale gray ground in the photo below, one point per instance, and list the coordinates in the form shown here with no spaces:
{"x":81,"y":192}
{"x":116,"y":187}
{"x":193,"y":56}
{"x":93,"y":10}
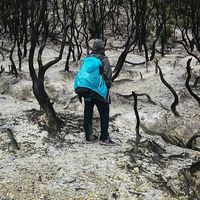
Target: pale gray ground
{"x":49,"y":169}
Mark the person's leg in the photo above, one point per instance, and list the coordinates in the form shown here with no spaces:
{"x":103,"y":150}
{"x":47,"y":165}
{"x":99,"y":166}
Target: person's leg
{"x":88,"y":115}
{"x":103,"y":109}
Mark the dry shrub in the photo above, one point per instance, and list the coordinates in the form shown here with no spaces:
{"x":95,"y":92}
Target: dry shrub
{"x":4,"y":85}
{"x":26,"y":93}
{"x":22,"y":91}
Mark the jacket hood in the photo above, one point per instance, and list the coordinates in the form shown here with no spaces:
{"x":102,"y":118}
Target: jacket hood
{"x":98,"y":47}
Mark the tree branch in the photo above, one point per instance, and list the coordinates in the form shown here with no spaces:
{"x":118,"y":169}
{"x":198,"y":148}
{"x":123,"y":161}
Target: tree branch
{"x":188,"y":68}
{"x":175,"y":102}
{"x":138,"y":136}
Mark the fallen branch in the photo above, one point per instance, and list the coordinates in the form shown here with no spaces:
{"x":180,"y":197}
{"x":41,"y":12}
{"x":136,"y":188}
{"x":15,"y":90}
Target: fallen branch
{"x":155,"y":147}
{"x":176,"y":156}
{"x":141,"y":63}
{"x":163,"y":106}
{"x":165,"y":184}
{"x":136,"y":193}
{"x":12,"y":139}
{"x":128,"y":96}
{"x":174,"y":140}
{"x":169,"y":139}
{"x":123,"y":80}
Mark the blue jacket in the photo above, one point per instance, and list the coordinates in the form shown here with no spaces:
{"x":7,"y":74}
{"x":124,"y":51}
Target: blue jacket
{"x":89,"y":76}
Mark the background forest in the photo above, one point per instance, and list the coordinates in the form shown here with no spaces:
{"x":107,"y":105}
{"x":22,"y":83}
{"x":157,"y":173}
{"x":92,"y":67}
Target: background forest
{"x":154,"y":49}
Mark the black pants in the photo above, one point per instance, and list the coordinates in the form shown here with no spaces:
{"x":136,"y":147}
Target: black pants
{"x":103,"y":109}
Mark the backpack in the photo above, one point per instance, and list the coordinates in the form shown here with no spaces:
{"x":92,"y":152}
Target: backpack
{"x":89,"y":81}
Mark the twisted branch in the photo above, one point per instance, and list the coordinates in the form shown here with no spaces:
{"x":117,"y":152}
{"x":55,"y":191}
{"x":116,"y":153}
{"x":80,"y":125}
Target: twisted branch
{"x":138,"y":136}
{"x":175,"y":102}
{"x":188,"y":68}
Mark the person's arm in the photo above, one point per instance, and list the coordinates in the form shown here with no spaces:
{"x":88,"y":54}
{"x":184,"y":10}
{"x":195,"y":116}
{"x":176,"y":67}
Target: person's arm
{"x":107,"y":72}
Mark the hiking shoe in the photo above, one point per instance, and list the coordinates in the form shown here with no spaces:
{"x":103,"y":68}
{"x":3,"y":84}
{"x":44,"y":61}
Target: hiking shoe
{"x":107,"y":142}
{"x":92,"y":139}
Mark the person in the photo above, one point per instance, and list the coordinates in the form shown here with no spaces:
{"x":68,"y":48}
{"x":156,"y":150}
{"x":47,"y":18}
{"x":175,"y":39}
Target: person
{"x":95,"y":97}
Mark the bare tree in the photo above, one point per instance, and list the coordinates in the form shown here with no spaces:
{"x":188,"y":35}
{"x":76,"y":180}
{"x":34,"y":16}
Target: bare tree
{"x":188,"y":68}
{"x":129,"y":22}
{"x":176,"y":99}
{"x":72,"y":5}
{"x":39,"y":28}
{"x":188,"y":21}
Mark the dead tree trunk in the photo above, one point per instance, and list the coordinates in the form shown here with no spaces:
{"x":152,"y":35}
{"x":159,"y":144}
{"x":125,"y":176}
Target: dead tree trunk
{"x":41,"y":26}
{"x":138,"y":136}
{"x":176,"y":100}
{"x":188,"y":68}
{"x":13,"y":66}
{"x":45,"y":104}
{"x":120,"y":63}
{"x":131,"y":25}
